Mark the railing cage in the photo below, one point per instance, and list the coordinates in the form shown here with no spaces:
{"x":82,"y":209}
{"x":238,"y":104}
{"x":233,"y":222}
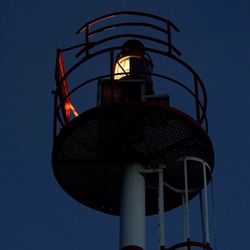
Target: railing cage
{"x":96,"y":42}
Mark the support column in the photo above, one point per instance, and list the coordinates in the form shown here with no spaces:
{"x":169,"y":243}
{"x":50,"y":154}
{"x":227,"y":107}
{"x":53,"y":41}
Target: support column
{"x":161,"y":211}
{"x":132,"y":209}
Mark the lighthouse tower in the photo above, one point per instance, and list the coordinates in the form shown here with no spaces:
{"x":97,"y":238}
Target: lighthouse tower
{"x":140,"y":146}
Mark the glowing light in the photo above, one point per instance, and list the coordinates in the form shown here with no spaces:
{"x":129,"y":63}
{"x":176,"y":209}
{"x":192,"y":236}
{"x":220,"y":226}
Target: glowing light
{"x":73,"y":110}
{"x":69,"y":107}
{"x":122,"y":66}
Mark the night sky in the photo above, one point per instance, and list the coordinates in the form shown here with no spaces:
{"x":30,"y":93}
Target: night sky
{"x":35,"y":213}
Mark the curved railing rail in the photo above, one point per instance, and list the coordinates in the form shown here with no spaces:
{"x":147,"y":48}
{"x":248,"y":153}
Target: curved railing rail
{"x":131,"y":13}
{"x":190,"y":245}
{"x":92,"y":48}
{"x":90,"y":31}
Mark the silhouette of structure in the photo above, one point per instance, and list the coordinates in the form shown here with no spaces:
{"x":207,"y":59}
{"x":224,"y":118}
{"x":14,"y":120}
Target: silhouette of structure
{"x":136,"y":151}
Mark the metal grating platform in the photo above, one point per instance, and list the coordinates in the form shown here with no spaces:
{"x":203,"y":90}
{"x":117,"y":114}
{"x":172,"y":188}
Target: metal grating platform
{"x":91,"y":152}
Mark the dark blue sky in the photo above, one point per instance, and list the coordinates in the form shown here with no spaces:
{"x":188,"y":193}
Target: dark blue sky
{"x":35,"y":213}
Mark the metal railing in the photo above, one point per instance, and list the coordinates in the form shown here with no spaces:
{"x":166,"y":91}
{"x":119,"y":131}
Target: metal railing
{"x":188,"y":244}
{"x":94,"y":47}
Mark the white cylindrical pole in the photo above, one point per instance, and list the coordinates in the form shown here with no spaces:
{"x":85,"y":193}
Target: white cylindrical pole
{"x":132,"y":209}
{"x":161,"y":211}
{"x":187,"y":224}
{"x":205,"y":204}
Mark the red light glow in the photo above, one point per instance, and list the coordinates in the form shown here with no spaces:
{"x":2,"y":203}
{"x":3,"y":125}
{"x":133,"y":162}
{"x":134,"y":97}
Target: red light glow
{"x":68,"y":107}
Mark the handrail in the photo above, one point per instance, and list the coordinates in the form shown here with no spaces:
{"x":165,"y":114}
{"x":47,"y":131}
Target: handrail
{"x":89,"y":34}
{"x":153,"y":74}
{"x":108,"y":27}
{"x":115,"y":14}
{"x":156,"y":51}
{"x":189,"y":158}
{"x":106,"y":39}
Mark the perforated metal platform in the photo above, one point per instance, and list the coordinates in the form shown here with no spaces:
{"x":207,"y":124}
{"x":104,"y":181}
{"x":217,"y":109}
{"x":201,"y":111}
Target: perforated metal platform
{"x":91,"y":152}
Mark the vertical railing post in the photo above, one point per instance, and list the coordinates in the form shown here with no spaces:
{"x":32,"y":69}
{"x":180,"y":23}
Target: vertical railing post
{"x":161,"y":211}
{"x":111,"y":68}
{"x":205,"y":204}
{"x":184,"y":218}
{"x":186,"y":205}
{"x":201,"y":197}
{"x":87,"y":40}
{"x":55,"y":116}
{"x":169,"y":38}
{"x":111,"y":64}
{"x":197,"y":99}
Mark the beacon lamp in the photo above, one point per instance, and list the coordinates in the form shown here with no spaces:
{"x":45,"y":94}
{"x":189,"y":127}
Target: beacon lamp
{"x":133,"y":63}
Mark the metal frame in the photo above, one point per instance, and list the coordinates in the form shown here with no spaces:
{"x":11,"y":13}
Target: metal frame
{"x":91,"y":49}
{"x":168,"y":31}
{"x":185,"y":194}
{"x":203,"y":206}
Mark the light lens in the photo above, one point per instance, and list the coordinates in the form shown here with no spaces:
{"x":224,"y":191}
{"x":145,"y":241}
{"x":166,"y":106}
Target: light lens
{"x":122,"y":66}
